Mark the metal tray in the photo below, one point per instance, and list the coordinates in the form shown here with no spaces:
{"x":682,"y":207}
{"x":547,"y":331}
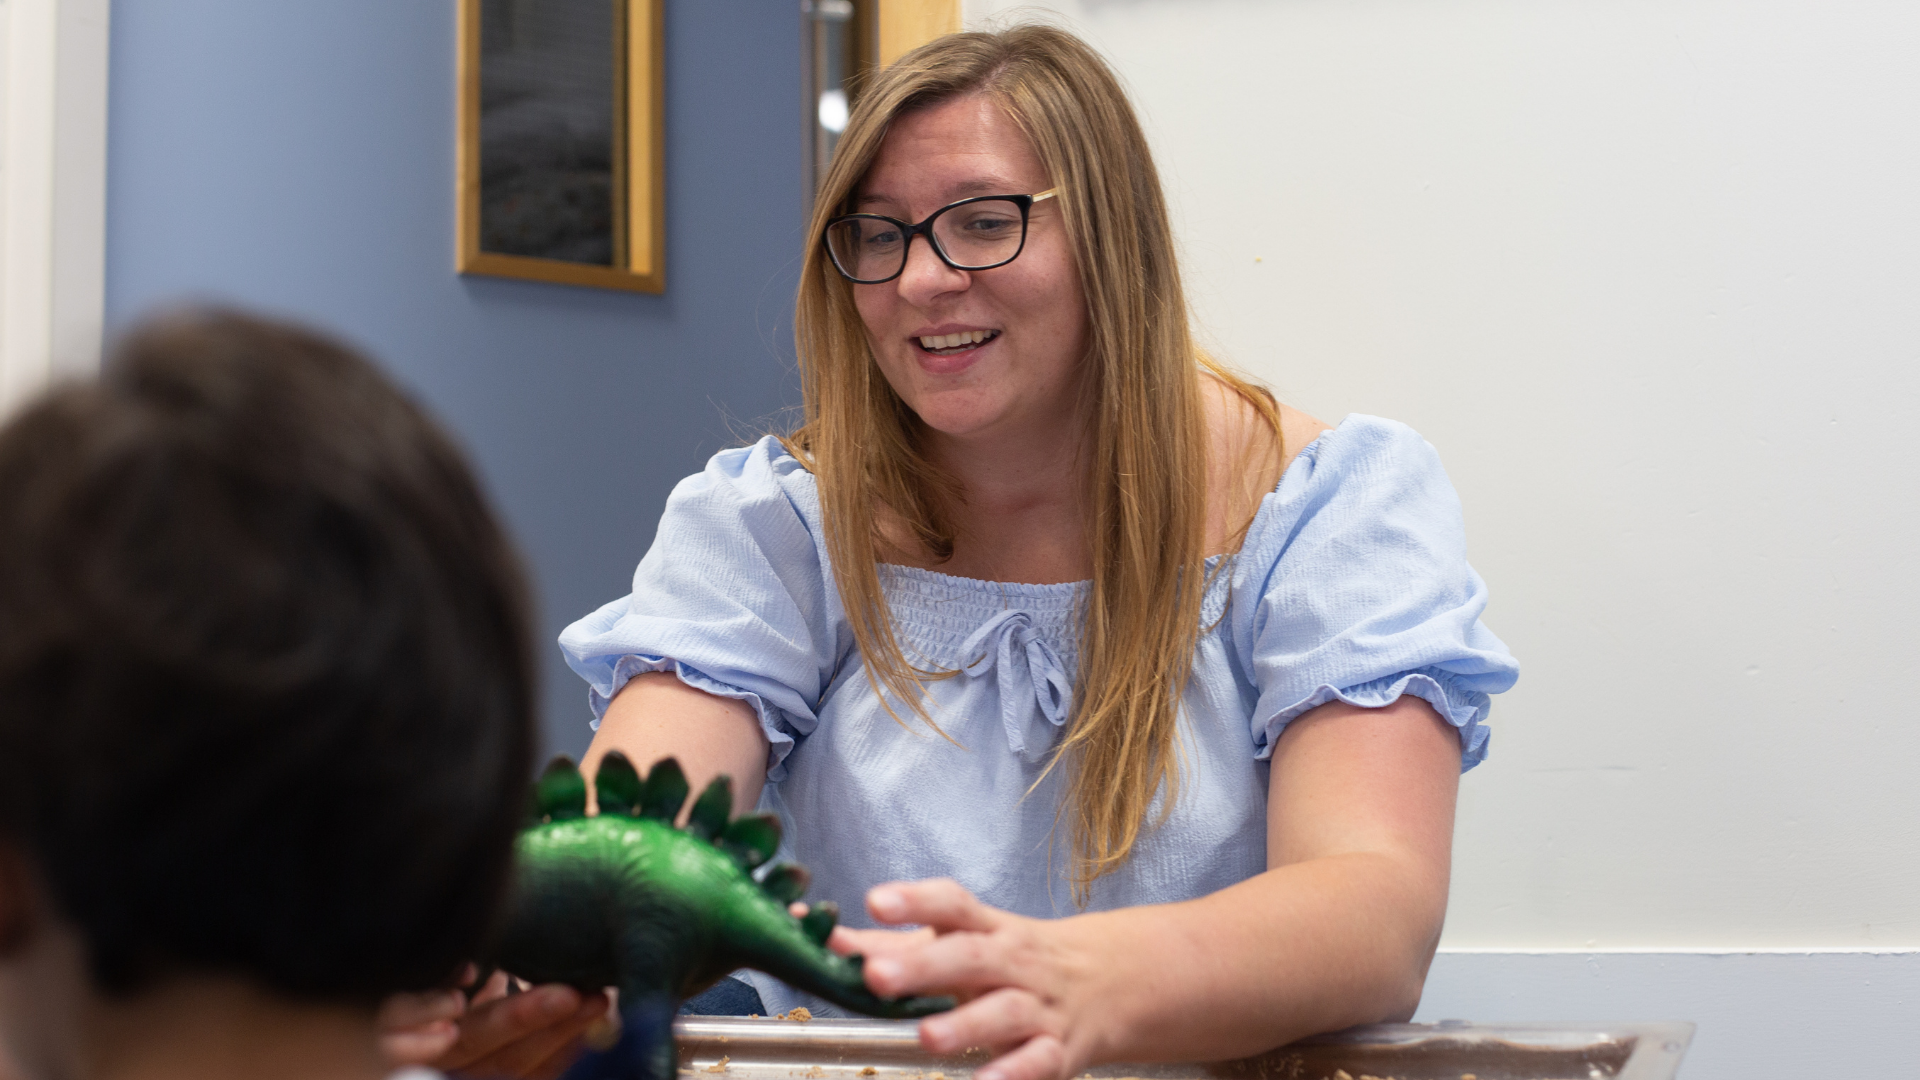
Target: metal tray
{"x":725,"y":1048}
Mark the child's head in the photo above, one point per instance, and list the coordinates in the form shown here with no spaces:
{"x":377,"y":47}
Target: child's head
{"x":265,"y":687}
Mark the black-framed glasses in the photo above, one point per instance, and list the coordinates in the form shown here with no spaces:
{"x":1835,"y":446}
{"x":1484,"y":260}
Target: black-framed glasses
{"x":973,"y":234}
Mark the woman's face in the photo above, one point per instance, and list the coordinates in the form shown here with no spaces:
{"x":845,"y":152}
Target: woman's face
{"x":1023,"y":375}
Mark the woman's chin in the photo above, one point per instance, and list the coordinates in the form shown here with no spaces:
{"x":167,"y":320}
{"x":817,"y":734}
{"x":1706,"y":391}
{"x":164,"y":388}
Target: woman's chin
{"x":970,"y":420}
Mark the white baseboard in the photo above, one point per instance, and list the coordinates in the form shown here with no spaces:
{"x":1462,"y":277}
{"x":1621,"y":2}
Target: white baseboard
{"x":1762,"y":1013}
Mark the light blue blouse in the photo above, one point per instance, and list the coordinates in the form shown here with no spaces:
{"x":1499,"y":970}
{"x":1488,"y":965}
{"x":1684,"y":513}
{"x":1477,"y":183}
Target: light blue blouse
{"x":1352,"y":584}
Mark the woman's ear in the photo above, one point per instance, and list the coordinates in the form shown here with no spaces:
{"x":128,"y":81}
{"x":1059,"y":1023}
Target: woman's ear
{"x":16,"y":899}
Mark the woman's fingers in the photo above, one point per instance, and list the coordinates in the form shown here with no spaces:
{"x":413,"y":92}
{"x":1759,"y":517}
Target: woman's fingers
{"x":1043,"y":1057}
{"x":1001,"y":1020}
{"x":872,"y":943}
{"x":1024,"y":982}
{"x":524,"y":1035}
{"x":1013,"y":1020}
{"x":958,"y":961}
{"x":974,"y":949}
{"x":940,"y":903}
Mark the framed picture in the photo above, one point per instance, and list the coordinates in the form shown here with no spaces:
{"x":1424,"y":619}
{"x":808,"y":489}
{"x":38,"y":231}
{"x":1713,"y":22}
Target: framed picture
{"x":561,"y":165}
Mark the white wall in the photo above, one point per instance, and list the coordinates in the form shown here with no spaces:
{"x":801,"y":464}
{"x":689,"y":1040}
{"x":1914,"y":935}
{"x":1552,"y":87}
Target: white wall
{"x":53,"y":152}
{"x":1648,"y":275}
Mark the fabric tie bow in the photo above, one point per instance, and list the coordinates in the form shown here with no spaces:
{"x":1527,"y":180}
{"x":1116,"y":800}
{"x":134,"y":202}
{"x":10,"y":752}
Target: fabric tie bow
{"x":1028,"y":670}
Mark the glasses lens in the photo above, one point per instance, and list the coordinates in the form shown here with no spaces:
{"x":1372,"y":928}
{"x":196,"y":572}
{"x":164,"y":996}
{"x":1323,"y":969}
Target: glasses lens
{"x":867,"y":248}
{"x":980,"y":234}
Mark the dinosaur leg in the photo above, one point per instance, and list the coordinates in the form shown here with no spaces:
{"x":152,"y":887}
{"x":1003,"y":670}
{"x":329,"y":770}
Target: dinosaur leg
{"x":645,"y":1050}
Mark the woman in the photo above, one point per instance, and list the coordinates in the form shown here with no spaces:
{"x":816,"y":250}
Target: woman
{"x":1144,"y":696}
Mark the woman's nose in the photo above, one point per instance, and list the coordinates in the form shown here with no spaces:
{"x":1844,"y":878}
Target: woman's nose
{"x":926,"y":276}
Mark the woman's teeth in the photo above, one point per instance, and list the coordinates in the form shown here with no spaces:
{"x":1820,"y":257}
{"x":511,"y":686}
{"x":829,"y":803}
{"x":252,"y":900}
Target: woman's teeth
{"x":952,"y":343}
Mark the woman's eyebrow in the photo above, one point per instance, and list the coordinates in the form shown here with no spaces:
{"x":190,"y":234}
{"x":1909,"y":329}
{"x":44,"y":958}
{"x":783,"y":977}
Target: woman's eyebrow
{"x":984,"y":185}
{"x":988,"y":185}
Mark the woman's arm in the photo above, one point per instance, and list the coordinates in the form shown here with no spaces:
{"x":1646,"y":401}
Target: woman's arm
{"x":656,"y":716}
{"x":1339,"y":931}
{"x":535,"y":1034}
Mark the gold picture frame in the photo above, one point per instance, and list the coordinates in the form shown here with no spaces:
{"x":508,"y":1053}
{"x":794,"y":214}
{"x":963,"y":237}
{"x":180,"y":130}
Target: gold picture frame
{"x":626,"y":250}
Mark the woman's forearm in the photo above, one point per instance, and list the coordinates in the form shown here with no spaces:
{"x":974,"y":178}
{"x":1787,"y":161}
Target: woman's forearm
{"x":1314,"y":946}
{"x":656,"y":716}
{"x":1341,"y":931}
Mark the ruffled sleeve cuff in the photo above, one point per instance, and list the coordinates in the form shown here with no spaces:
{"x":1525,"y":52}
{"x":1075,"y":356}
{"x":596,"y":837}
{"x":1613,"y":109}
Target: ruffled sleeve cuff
{"x":781,"y":728}
{"x":1354,"y":586}
{"x":733,"y":598}
{"x":1463,"y":707}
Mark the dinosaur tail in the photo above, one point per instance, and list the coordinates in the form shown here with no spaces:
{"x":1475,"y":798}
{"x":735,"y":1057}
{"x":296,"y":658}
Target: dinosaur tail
{"x":795,"y":952}
{"x":839,"y":980}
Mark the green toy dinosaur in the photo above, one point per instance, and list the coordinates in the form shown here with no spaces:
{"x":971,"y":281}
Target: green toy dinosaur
{"x":625,"y":899}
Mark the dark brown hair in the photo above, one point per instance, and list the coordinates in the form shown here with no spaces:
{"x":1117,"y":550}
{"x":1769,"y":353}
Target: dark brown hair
{"x":265,"y":685}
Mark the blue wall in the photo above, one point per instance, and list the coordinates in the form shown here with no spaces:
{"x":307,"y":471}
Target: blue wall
{"x":297,"y":157}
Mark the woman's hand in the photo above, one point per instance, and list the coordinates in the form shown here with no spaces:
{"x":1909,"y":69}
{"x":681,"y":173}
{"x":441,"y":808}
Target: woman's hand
{"x":533,"y":1035}
{"x":1037,"y":992}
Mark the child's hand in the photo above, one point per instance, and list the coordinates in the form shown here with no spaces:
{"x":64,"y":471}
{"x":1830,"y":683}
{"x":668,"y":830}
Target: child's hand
{"x":417,"y":1028}
{"x":533,"y":1035}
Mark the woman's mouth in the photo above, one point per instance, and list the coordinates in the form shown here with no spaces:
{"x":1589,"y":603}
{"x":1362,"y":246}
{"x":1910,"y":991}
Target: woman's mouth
{"x":955,"y":344}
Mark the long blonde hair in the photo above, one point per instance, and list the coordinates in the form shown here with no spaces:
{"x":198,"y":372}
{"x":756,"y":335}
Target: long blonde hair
{"x":1146,"y":450}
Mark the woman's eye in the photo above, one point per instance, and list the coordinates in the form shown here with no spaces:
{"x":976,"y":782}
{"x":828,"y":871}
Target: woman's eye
{"x":991,"y":226}
{"x":883,"y":238}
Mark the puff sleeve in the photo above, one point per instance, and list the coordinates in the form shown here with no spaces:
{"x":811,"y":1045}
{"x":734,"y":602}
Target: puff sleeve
{"x":733,"y":598}
{"x":1359,"y":590}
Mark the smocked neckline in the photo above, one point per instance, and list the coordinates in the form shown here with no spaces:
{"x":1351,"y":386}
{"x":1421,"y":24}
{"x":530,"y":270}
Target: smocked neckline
{"x":1037,"y":591}
{"x":1034,"y":590}
{"x":1052,"y":590}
